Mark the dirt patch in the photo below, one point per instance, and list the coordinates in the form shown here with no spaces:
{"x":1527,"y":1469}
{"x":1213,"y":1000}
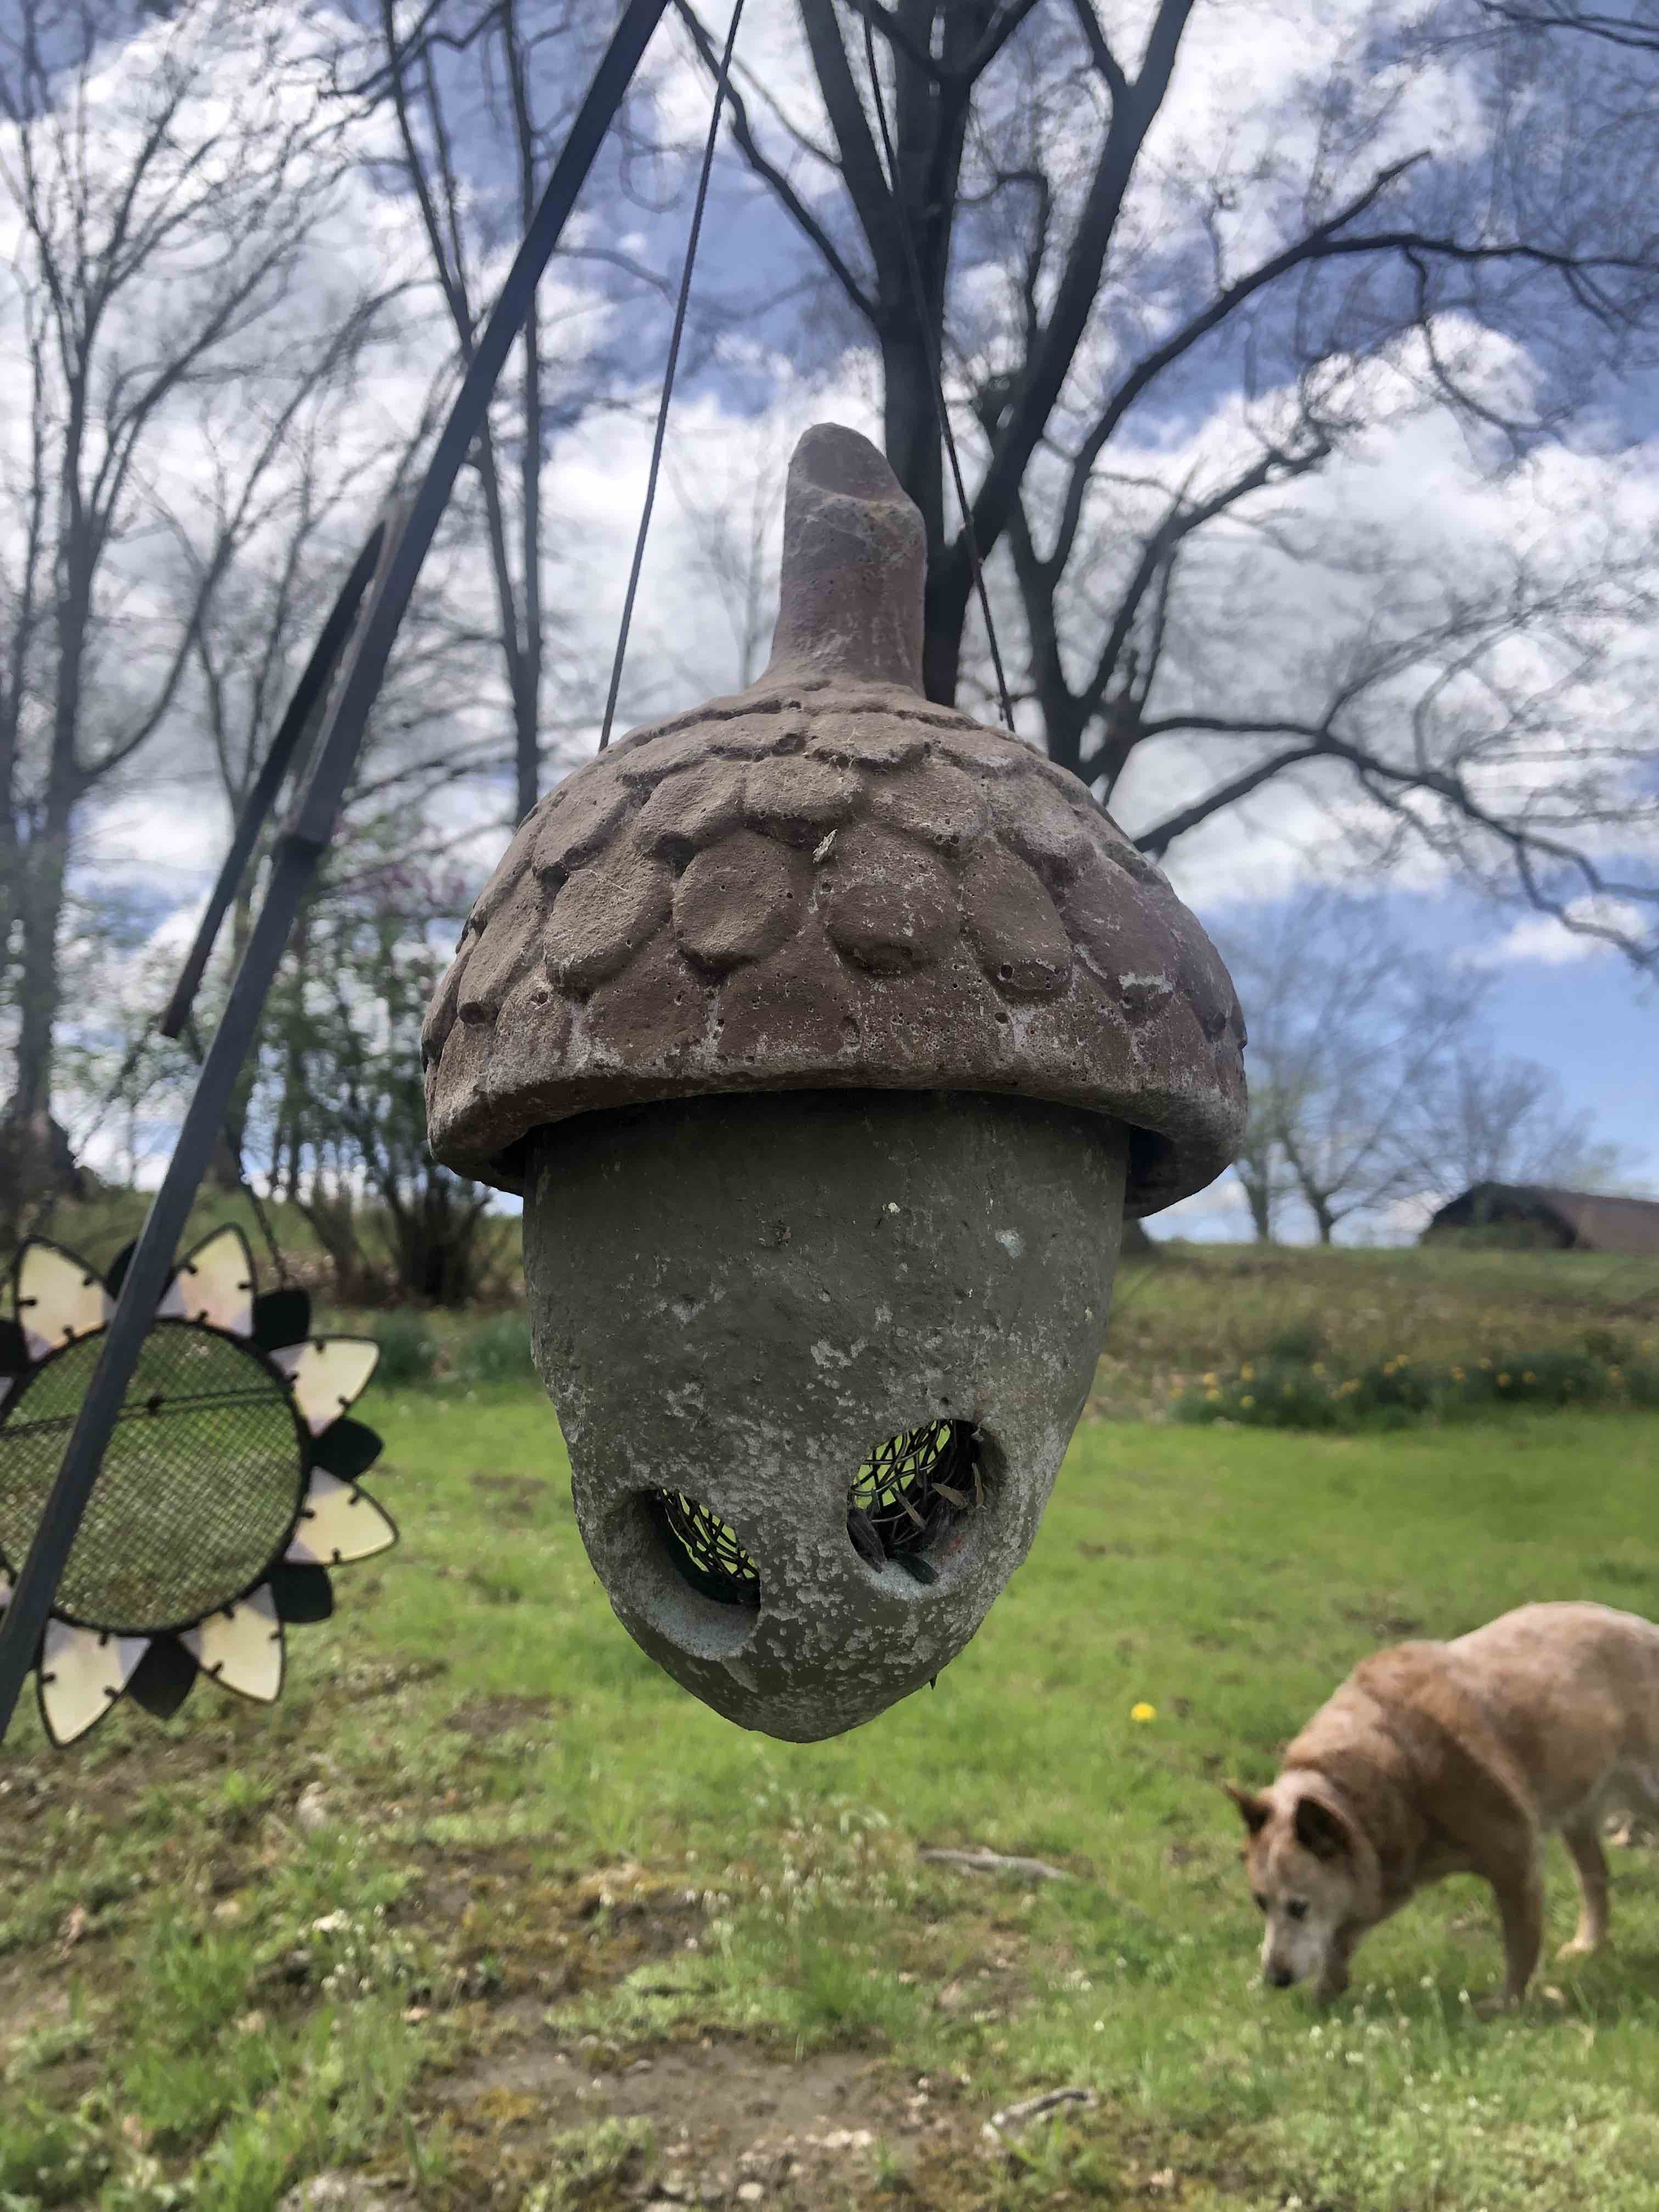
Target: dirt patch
{"x":28,"y":2003}
{"x":1389,"y":1626}
{"x":479,"y":1717}
{"x":512,"y":1497}
{"x":721,"y":2116}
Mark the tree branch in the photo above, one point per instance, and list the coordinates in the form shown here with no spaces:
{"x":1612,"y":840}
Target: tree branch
{"x":743,"y":133}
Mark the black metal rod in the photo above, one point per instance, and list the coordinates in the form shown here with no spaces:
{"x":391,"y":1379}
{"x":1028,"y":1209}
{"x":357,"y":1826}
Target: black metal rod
{"x":308,"y":697}
{"x":299,"y":848}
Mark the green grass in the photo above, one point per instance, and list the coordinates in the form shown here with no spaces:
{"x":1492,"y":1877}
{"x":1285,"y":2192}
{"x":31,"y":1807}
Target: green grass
{"x":534,"y":1839}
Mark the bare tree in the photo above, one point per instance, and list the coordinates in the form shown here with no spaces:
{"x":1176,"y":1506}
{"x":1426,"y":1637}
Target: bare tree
{"x":340,"y":461}
{"x":1349,"y":1033}
{"x":1089,"y":277}
{"x":1483,"y":1118}
{"x":1635,"y":28}
{"x":732,"y":519}
{"x":480,"y":92}
{"x":169,"y":184}
{"x":348,"y":1010}
{"x":1264,"y":1175}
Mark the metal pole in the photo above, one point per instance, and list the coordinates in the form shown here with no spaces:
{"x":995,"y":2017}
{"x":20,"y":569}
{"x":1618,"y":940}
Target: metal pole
{"x":309,"y":696}
{"x":298,"y":851}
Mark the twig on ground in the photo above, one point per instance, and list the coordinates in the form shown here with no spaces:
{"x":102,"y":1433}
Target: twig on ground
{"x":1034,"y":2108}
{"x":987,"y":1861}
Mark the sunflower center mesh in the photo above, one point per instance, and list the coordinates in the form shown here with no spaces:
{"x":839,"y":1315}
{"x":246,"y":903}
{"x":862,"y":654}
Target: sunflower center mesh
{"x":706,"y":1550}
{"x":910,"y":1485}
{"x":201,"y":1482}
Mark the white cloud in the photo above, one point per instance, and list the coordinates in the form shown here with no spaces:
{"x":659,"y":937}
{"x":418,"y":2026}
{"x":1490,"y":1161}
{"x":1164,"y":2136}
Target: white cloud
{"x":1543,"y":939}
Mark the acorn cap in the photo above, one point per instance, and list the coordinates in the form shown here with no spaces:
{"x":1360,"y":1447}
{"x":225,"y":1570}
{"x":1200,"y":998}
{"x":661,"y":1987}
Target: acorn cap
{"x":827,"y":882}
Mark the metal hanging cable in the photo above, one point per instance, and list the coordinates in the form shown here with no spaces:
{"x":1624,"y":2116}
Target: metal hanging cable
{"x":721,"y":80}
{"x":918,"y":299}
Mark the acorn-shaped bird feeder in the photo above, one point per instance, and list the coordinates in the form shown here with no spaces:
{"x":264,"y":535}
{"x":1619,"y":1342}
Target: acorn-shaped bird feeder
{"x":828,"y":1036}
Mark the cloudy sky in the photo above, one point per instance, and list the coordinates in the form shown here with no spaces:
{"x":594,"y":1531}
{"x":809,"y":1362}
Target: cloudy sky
{"x":1416,"y":493}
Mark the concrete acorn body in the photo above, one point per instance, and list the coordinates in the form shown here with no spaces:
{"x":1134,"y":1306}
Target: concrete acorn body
{"x":828,"y":1034}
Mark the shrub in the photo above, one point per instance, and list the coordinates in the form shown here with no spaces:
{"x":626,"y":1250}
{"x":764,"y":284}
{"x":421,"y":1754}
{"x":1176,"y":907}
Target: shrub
{"x":1394,"y":1390}
{"x":408,"y":1350}
{"x":1271,"y":1394}
{"x":1607,"y":1346}
{"x":1544,"y":1378}
{"x":1288,"y":1393}
{"x":499,"y":1350}
{"x":1300,"y":1343}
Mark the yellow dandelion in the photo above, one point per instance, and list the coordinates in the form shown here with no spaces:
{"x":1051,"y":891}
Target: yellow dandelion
{"x":1528,"y":1377}
{"x":1143,"y":1712}
{"x":1247,"y":1373}
{"x":1247,"y":1400}
{"x":1213,"y":1396}
{"x":1485,"y":1362}
{"x":1209,"y":1382}
{"x":1457,"y":1375}
{"x":1503,"y":1382}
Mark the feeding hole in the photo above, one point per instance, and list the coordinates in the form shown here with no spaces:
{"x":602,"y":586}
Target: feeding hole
{"x":908,"y":1489}
{"x":705,"y":1549}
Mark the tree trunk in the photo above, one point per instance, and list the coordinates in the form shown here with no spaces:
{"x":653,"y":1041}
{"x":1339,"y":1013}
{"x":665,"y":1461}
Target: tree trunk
{"x":42,"y":915}
{"x":36,"y":1168}
{"x":1259,"y":1197}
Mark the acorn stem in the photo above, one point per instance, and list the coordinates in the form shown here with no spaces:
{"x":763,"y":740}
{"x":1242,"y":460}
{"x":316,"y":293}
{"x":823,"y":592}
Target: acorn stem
{"x":854,"y":565}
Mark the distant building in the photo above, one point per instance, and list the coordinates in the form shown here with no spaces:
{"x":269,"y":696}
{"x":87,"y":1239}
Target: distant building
{"x":1552,"y":1220}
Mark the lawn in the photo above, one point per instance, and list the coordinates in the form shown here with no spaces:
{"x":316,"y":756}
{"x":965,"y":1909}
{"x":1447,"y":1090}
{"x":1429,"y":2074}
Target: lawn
{"x":489,"y":1912}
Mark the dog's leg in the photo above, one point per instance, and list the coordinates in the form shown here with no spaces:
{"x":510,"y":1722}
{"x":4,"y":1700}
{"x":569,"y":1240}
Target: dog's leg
{"x":1591,"y":1867}
{"x":1518,"y":1878}
{"x":1333,"y":1980}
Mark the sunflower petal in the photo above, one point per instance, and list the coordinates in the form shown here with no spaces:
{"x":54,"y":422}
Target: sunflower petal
{"x":163,"y":1678}
{"x":302,"y":1593}
{"x":116,"y":1274}
{"x":83,"y":1673}
{"x":338,"y":1522}
{"x":281,"y":1317}
{"x":346,"y":1448}
{"x":241,"y":1647}
{"x":326,"y":1374}
{"x":214,"y":1283}
{"x":58,"y":1299}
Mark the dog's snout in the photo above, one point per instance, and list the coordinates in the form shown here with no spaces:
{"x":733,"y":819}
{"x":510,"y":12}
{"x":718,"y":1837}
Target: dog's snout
{"x":1279,"y":1978}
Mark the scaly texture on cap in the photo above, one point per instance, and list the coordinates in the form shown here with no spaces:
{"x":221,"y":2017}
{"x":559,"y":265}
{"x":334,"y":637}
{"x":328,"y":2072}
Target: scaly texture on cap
{"x":827,"y":882}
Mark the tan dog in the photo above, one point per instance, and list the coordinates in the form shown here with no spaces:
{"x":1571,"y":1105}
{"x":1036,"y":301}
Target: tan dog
{"x":1459,"y":1758}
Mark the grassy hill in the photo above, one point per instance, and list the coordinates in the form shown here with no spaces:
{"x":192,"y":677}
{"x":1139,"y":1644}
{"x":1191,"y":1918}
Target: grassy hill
{"x":1200,"y":1308}
{"x":488,"y":1913}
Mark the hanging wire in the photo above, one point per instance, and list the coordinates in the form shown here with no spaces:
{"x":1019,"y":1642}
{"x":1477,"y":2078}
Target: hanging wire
{"x":680,"y":306}
{"x":913,"y":268}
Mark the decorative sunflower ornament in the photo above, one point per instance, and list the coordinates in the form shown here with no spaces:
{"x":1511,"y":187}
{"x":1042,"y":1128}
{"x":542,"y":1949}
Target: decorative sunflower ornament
{"x":228,"y":1490}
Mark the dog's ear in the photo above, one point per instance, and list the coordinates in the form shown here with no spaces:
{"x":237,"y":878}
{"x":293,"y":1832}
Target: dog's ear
{"x":1320,"y":1831}
{"x":1254,"y":1808}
